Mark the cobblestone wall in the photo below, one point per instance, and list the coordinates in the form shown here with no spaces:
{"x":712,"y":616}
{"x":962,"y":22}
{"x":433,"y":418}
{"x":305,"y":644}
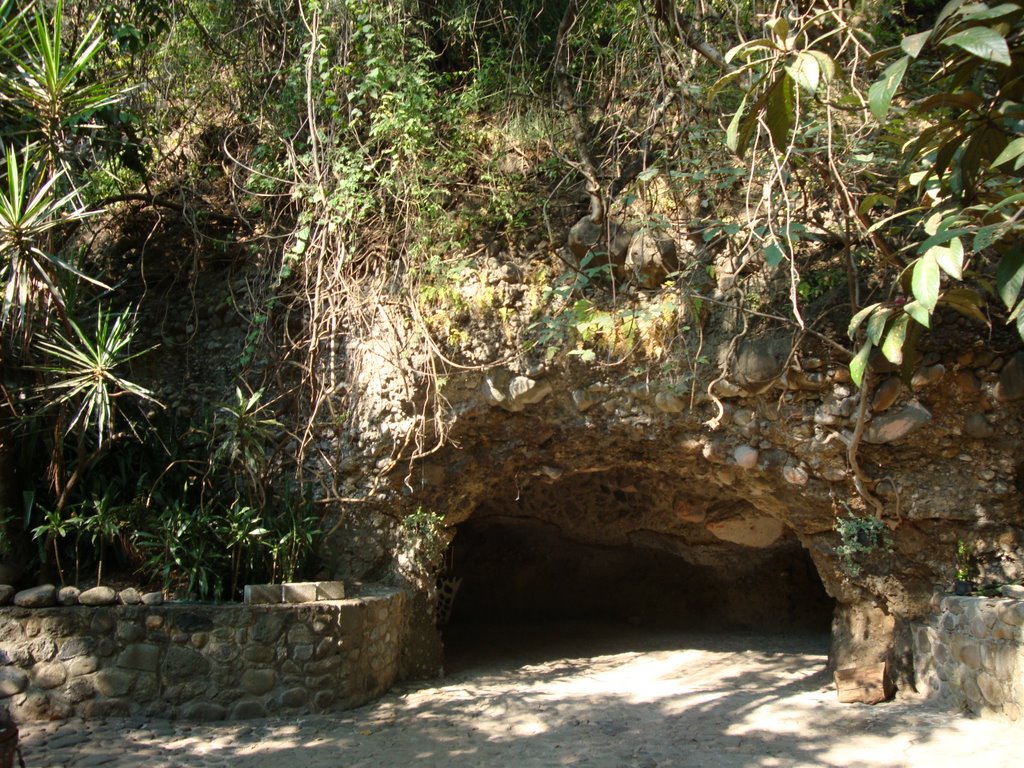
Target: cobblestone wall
{"x":203,"y":662}
{"x":971,"y":653}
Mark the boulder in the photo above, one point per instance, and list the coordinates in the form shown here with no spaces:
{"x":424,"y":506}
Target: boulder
{"x":758,"y":532}
{"x":760,"y":361}
{"x":604,"y":246}
{"x":98,"y":596}
{"x":42,"y":596}
{"x":1011,"y":380}
{"x":129,"y":596}
{"x":650,"y":259}
{"x":890,"y":427}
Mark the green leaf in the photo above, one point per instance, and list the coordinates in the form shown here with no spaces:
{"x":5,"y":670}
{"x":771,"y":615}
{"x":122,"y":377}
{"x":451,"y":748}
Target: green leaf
{"x":893,"y":346}
{"x":859,"y":318}
{"x":913,"y":44}
{"x":925,"y":281}
{"x":880,"y":93}
{"x":1012,"y":150}
{"x":760,"y":44}
{"x":985,"y":236}
{"x":983,"y":42}
{"x":805,"y":71}
{"x":732,"y":133}
{"x":966,"y":301}
{"x":917,"y":311}
{"x":1010,"y":276}
{"x":951,"y":258}
{"x":781,"y":112}
{"x":773,"y":255}
{"x":826,"y":65}
{"x":870,"y":201}
{"x":979,"y":12}
{"x":876,"y":324}
{"x":860,"y":363}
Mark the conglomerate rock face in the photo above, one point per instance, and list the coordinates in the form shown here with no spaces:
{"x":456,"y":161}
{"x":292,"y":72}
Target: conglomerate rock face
{"x":718,"y":506}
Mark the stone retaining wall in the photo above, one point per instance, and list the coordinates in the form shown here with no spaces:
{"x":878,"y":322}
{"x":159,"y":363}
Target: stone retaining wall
{"x":198,"y":661}
{"x":971,"y":654}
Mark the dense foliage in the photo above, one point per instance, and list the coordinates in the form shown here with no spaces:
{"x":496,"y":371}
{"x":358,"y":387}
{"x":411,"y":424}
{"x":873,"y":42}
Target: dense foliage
{"x":859,"y":155}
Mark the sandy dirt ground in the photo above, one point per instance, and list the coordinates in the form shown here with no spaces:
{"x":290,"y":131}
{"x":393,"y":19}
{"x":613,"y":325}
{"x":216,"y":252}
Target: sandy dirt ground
{"x":574,"y":695}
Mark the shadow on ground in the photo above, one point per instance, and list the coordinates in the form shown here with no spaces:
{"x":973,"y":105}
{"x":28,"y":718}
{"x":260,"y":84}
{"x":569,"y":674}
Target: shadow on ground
{"x":581,"y":695}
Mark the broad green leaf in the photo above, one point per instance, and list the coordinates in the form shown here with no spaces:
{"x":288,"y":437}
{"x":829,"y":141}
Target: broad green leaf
{"x":963,"y":101}
{"x":913,"y":44}
{"x":893,"y":346}
{"x":859,"y":318}
{"x":805,"y":72}
{"x":762,"y":43}
{"x":1011,"y":200}
{"x":870,"y":201}
{"x":985,"y":236}
{"x":826,"y":65}
{"x":1012,"y":150}
{"x":966,"y":301}
{"x":950,"y":258}
{"x":1020,"y":325}
{"x":860,"y":363}
{"x":780,"y":114}
{"x":917,"y":311}
{"x":979,"y":12}
{"x":732,"y":133}
{"x":1010,"y":276}
{"x":876,"y":324}
{"x":780,"y":29}
{"x":948,"y":10}
{"x":942,"y":237}
{"x":648,"y":174}
{"x":925,"y":281}
{"x":773,"y":255}
{"x":983,"y":42}
{"x":880,"y":93}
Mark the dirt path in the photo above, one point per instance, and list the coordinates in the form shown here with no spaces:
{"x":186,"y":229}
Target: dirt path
{"x":581,"y":696}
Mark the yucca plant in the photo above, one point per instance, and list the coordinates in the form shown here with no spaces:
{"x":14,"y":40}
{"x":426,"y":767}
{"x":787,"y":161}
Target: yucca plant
{"x":48,"y":85}
{"x":86,"y":372}
{"x":29,"y":209}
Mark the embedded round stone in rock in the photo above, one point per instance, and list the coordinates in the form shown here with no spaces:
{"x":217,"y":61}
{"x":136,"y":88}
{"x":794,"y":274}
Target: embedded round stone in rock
{"x":98,"y":596}
{"x":927,"y":376}
{"x":668,"y":403}
{"x":50,"y":675}
{"x":12,"y":681}
{"x":523,"y":391}
{"x":7,"y":593}
{"x":153,"y":598}
{"x":204,"y":712}
{"x":37,"y":597}
{"x":68,"y":595}
{"x":259,"y":681}
{"x":795,"y":475}
{"x":756,"y":532}
{"x":760,"y":361}
{"x":976,"y":426}
{"x":1011,"y":380}
{"x":886,"y":394}
{"x":745,"y":456}
{"x":890,"y":427}
{"x":248,"y":710}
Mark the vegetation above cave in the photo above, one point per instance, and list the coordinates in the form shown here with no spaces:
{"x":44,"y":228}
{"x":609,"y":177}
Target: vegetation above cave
{"x":857,"y":163}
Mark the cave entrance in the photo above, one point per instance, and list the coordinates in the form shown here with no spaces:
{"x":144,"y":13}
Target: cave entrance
{"x":626,"y":572}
